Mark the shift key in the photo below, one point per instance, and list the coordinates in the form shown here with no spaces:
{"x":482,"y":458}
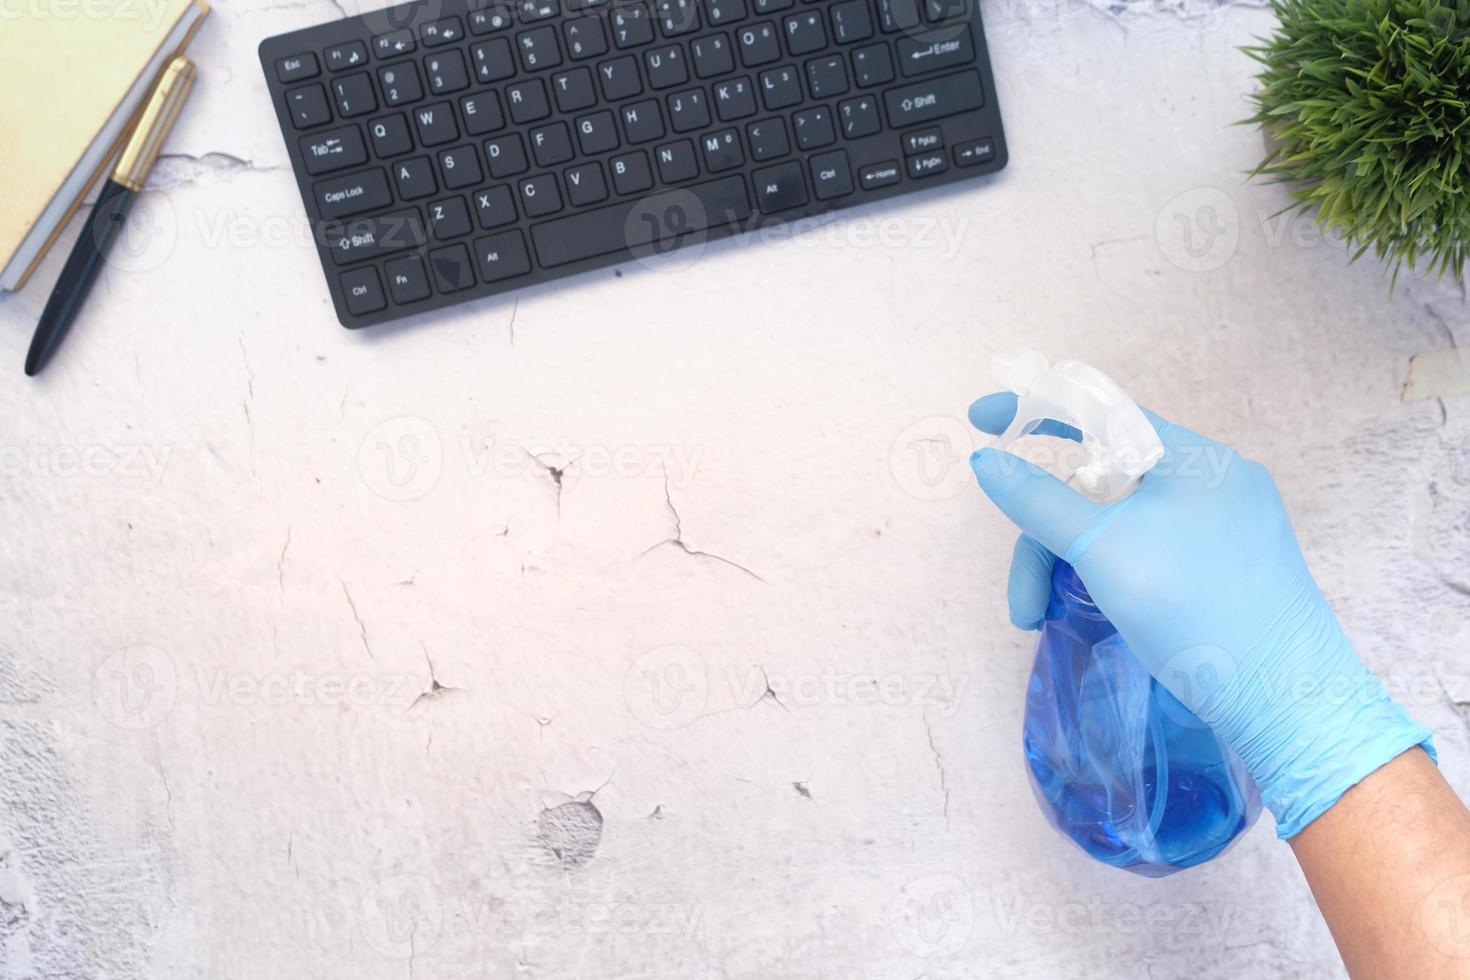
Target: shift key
{"x":367,"y":238}
{"x":934,"y":98}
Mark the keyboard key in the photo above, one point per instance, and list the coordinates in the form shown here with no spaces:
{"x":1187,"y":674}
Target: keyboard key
{"x":632,"y":26}
{"x":435,"y":124}
{"x":406,"y":279}
{"x":805,"y":33}
{"x":494,"y":207}
{"x":939,"y":11}
{"x":927,"y":164}
{"x":677,"y":17}
{"x":767,"y":139}
{"x":642,"y":122}
{"x":493,"y":60}
{"x":772,"y":6}
{"x":688,"y":111}
{"x":734,"y":100}
{"x":585,"y":185}
{"x":831,"y":175}
{"x":619,"y":78}
{"x":343,"y":56}
{"x":507,"y":156}
{"x":920,"y":55}
{"x":630,"y":173}
{"x":308,"y":106}
{"x":597,"y":133}
{"x":296,"y":67}
{"x":872,"y":65}
{"x":637,"y":223}
{"x":574,"y":90}
{"x":827,"y":77}
{"x":354,"y":194}
{"x":460,"y":167}
{"x":364,"y":238}
{"x":814,"y":128}
{"x":859,"y":117}
{"x":879,"y":175}
{"x":676,"y":162}
{"x":780,"y":88}
{"x":453,"y":268}
{"x":922,"y":140}
{"x":400,"y":83}
{"x":851,"y":22}
{"x":414,"y":178}
{"x":537,"y":10}
{"x":390,"y":136}
{"x":585,"y":38}
{"x":449,"y":218}
{"x":551,"y":145}
{"x":898,"y":15}
{"x":354,"y":95}
{"x":502,"y":256}
{"x":490,"y":20}
{"x":711,"y":56}
{"x":440,"y":32}
{"x":481,"y":113}
{"x":779,"y":188}
{"x":393,"y":44}
{"x":758,"y":45}
{"x":933,"y":99}
{"x":722,"y":150}
{"x":725,"y":11}
{"x":527,"y":101}
{"x":974,"y":152}
{"x":539,"y":196}
{"x":665,"y":67}
{"x":538,"y":48}
{"x":446,"y":72}
{"x":363,"y":290}
{"x":334,"y":149}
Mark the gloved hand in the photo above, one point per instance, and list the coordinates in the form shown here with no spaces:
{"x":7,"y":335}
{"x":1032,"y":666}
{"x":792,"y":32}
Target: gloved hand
{"x":1200,"y":572}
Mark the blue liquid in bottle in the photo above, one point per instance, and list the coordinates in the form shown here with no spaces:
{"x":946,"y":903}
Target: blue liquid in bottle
{"x":1132,"y":776}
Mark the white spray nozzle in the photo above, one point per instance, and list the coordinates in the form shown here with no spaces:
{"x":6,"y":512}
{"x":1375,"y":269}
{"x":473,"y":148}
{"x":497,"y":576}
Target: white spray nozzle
{"x":1118,"y":440}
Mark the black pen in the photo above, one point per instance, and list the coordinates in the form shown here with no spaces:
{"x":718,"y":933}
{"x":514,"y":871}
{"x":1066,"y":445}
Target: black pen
{"x":106,"y":219}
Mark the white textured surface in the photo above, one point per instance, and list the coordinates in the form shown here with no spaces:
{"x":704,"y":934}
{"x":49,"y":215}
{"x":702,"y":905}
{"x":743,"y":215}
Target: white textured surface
{"x":768,"y":524}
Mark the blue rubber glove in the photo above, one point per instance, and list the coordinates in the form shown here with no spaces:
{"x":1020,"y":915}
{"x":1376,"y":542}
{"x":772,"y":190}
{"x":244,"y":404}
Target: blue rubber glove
{"x":1200,"y":572}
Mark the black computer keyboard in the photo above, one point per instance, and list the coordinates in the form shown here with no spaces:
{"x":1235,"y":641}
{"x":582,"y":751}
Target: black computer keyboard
{"x":453,"y":149}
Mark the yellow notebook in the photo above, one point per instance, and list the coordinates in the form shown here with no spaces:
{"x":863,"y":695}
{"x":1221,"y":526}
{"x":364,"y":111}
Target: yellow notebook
{"x":76,"y":80}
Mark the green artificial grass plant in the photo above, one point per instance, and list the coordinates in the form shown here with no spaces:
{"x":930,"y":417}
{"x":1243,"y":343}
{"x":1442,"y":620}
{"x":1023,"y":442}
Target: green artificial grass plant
{"x":1368,"y":105}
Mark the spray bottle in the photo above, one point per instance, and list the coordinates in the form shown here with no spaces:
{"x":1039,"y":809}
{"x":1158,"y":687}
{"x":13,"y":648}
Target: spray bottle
{"x":1119,"y":765}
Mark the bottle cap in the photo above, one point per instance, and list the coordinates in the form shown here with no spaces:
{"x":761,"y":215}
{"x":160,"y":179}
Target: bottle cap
{"x":1118,"y":441}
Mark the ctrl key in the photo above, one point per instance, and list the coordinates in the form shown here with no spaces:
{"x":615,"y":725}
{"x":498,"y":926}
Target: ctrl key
{"x":363,"y":291}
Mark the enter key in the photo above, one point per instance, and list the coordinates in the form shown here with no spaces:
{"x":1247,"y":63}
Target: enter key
{"x":934,"y":52}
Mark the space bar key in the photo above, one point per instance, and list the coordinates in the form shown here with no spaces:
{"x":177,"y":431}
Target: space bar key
{"x":656,"y":219}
